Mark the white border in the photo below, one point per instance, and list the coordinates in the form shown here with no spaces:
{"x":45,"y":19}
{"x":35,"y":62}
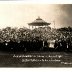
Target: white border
{"x":36,"y":69}
{"x":37,"y":1}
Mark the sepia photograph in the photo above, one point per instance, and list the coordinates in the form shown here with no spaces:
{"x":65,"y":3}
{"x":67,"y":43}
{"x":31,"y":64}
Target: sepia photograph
{"x":35,"y":35}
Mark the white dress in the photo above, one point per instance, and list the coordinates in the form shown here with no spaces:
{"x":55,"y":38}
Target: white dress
{"x":52,"y":44}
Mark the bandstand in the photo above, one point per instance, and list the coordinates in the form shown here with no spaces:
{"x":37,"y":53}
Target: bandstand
{"x":38,"y":23}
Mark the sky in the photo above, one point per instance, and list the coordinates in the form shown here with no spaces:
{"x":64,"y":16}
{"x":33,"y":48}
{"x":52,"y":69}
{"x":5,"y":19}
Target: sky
{"x":19,"y":15}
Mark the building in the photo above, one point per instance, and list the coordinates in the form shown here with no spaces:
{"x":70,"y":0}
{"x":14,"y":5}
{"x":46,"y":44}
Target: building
{"x":38,"y":23}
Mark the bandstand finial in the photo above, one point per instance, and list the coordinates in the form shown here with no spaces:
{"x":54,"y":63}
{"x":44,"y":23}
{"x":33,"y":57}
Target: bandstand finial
{"x":39,"y":17}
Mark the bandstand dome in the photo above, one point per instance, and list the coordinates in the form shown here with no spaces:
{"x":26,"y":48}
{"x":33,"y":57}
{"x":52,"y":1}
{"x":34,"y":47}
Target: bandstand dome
{"x":39,"y":22}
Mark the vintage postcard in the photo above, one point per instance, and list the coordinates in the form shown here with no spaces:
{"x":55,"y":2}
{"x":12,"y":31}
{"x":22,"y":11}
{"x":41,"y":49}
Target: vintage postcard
{"x":35,"y":35}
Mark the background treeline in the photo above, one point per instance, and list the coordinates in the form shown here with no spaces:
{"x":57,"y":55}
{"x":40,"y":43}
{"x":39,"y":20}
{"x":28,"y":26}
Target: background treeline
{"x":19,"y":34}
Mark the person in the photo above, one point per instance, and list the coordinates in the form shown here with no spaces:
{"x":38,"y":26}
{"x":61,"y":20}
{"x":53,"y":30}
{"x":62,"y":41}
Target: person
{"x":56,"y":44}
{"x":69,"y":44}
{"x":45,"y":45}
{"x":64,"y":44}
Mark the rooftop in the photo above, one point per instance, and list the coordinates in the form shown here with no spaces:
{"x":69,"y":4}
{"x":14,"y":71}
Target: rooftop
{"x":38,"y":22}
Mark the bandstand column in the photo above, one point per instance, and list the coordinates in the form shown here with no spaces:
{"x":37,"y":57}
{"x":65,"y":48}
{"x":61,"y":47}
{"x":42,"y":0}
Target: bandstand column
{"x":29,"y":26}
{"x":32,"y":27}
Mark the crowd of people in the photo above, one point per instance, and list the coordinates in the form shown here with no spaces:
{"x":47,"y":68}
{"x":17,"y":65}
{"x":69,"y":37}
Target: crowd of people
{"x":63,"y":44}
{"x":38,"y":39}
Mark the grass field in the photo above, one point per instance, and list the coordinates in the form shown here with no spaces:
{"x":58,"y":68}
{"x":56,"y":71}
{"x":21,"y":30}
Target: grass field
{"x":36,"y":59}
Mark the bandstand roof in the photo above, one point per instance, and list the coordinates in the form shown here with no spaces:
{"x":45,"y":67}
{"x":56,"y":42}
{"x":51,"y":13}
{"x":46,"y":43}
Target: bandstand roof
{"x":39,"y":22}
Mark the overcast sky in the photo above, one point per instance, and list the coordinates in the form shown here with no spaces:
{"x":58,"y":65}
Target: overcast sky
{"x":19,"y":15}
